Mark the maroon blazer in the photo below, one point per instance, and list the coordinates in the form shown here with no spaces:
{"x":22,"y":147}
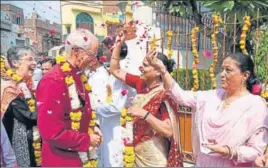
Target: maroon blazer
{"x":60,"y":142}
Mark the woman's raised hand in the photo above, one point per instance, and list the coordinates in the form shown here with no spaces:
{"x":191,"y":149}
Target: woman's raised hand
{"x":154,"y":61}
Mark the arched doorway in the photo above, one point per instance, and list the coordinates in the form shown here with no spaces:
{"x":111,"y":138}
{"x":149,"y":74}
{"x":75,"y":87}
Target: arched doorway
{"x":85,"y":21}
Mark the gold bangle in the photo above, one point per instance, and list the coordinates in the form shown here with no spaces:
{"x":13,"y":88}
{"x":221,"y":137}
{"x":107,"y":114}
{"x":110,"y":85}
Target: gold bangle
{"x":115,"y":58}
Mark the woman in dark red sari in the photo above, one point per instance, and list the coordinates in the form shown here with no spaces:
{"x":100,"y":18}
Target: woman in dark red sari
{"x":155,"y":128}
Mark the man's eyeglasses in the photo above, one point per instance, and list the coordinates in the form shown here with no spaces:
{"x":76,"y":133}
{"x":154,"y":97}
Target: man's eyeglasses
{"x":29,"y":59}
{"x":87,"y":53}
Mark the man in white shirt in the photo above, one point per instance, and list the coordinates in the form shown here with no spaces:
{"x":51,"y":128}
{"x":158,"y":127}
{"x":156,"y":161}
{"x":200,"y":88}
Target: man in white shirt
{"x":109,"y":112}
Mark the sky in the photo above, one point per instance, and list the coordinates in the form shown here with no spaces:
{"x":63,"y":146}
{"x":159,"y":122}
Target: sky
{"x":49,"y":10}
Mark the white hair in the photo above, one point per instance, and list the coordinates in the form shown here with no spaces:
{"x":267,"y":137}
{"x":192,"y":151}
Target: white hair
{"x":81,"y":38}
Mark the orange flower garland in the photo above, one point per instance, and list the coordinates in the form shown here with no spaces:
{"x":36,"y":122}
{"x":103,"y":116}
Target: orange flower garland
{"x":76,"y":114}
{"x":195,"y":30}
{"x":126,"y":121}
{"x":216,"y":21}
{"x":169,"y":42}
{"x":31,"y":105}
{"x":243,"y":35}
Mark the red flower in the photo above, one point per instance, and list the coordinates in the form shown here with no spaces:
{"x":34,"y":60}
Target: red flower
{"x":124,"y":92}
{"x":103,"y":59}
{"x":206,"y":53}
{"x":256,"y":89}
{"x":194,"y":66}
{"x":130,"y":23}
{"x":85,"y":38}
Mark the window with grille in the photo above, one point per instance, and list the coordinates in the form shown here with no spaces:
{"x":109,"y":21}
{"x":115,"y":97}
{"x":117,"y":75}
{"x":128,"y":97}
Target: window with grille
{"x":85,"y":21}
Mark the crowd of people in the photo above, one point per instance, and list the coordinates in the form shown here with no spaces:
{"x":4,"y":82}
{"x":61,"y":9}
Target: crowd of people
{"x":87,"y":110}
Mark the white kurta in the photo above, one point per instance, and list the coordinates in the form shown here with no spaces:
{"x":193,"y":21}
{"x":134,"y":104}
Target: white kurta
{"x":108,"y":115}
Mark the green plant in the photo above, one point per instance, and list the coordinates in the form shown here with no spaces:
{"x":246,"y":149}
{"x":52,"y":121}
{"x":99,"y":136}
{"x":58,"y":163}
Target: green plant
{"x":261,"y":57}
{"x":180,"y":76}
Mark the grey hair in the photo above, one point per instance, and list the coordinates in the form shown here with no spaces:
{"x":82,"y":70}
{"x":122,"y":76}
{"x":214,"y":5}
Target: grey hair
{"x":80,"y":38}
{"x":16,"y":52}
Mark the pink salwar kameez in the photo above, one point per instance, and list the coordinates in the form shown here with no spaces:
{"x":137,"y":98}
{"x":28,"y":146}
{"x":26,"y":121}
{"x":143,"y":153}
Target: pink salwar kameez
{"x":242,"y":126}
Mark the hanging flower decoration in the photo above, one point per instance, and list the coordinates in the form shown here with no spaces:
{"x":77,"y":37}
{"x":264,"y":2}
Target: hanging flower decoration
{"x":243,"y":35}
{"x":126,"y":122}
{"x":216,"y":21}
{"x":153,"y":43}
{"x":194,"y":32}
{"x":31,"y":105}
{"x":169,"y":42}
{"x":88,"y":159}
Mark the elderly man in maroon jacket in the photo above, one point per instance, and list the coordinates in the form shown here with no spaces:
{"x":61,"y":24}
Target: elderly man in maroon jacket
{"x":61,"y":142}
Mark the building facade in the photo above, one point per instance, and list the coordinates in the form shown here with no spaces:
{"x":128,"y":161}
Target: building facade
{"x":102,"y":18}
{"x":42,"y":34}
{"x":12,"y":27}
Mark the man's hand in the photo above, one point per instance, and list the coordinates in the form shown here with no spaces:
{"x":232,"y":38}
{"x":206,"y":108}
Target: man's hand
{"x":98,"y":132}
{"x":95,"y":140}
{"x":262,"y":161}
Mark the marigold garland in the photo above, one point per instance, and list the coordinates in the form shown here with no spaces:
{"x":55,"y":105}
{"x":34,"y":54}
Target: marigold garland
{"x":243,"y":35}
{"x":128,"y":155}
{"x":76,"y":114}
{"x":169,"y":42}
{"x":195,"y":30}
{"x":31,"y":105}
{"x":216,"y":21}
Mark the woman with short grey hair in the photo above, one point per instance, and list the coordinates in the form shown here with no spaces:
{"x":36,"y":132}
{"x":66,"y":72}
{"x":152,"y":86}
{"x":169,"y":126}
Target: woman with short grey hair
{"x":20,"y":118}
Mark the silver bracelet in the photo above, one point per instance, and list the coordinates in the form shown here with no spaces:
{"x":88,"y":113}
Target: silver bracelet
{"x":232,"y":153}
{"x":163,"y":72}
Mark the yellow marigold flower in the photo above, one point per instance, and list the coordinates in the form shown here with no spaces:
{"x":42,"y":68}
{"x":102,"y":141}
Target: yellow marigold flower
{"x":246,"y":18}
{"x":87,"y":87}
{"x":37,"y":145}
{"x":108,"y":99}
{"x":69,"y":80}
{"x":31,"y":102}
{"x":65,"y":67}
{"x":242,"y":47}
{"x":37,"y":153}
{"x":90,"y":131}
{"x":88,"y":164}
{"x":32,"y":108}
{"x":194,"y":72}
{"x":122,"y":121}
{"x":129,"y":149}
{"x":9,"y":72}
{"x":124,"y":112}
{"x":129,"y":118}
{"x":243,"y":35}
{"x":129,"y":158}
{"x":93,"y":115}
{"x":38,"y":160}
{"x":92,"y":123}
{"x":16,"y":78}
{"x":245,"y":28}
{"x":84,"y":78}
{"x":60,"y":59}
{"x":241,"y":42}
{"x":76,"y":116}
{"x":94,"y":163}
{"x":75,"y":125}
{"x":169,"y":33}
